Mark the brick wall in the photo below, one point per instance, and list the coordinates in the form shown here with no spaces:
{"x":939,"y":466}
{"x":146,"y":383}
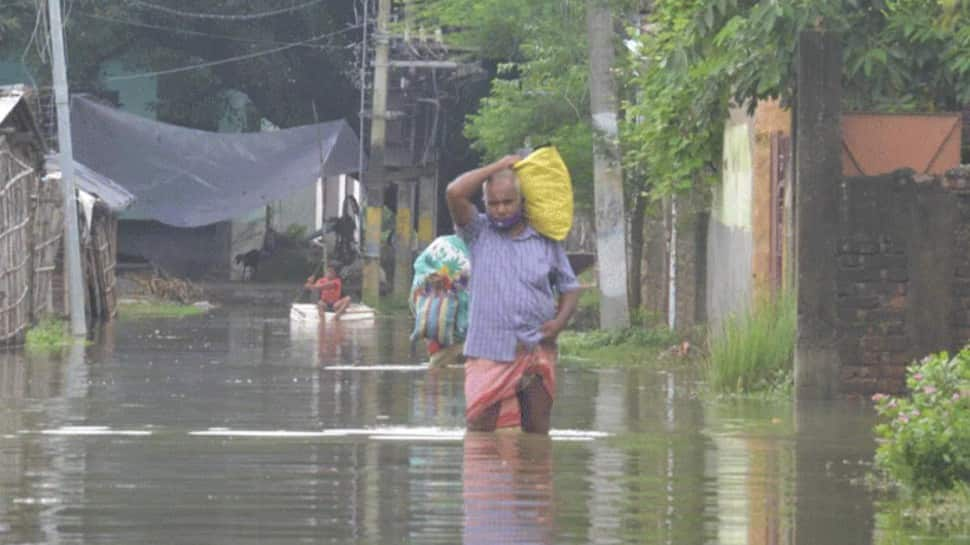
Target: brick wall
{"x":903,"y":275}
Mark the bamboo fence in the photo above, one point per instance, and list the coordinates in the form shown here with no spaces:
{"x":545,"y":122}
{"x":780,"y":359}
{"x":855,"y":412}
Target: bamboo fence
{"x":17,"y":182}
{"x":31,"y":231}
{"x":100,"y":251}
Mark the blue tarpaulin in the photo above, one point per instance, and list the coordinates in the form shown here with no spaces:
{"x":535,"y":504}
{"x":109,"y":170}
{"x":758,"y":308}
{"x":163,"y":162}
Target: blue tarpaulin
{"x":189,"y":178}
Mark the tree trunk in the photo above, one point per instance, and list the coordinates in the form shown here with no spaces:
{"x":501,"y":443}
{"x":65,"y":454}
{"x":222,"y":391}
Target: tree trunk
{"x":607,"y":170}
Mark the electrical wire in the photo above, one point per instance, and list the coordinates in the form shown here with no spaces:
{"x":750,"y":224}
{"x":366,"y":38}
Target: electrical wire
{"x":227,"y":17}
{"x":176,"y":30}
{"x":363,"y":91}
{"x":226,"y":60}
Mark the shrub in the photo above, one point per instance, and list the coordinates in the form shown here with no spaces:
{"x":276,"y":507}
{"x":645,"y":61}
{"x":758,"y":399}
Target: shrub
{"x":631,"y":346}
{"x":48,"y":333}
{"x":925,"y":436}
{"x":754,"y":350}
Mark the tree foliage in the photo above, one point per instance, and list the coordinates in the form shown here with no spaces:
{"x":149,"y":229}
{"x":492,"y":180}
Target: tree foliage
{"x":541,"y":92}
{"x":283,"y":85}
{"x":687,"y":63}
{"x":698,"y":57}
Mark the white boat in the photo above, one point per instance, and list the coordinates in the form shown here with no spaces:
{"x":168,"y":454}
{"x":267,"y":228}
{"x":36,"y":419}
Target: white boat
{"x":308,"y":313}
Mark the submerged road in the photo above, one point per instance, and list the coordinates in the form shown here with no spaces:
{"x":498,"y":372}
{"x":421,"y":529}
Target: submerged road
{"x":235,"y":428}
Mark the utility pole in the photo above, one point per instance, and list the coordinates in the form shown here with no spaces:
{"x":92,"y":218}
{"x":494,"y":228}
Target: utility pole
{"x":72,"y":241}
{"x":405,"y":235}
{"x":375,"y":186}
{"x":427,"y":201}
{"x":607,"y":170}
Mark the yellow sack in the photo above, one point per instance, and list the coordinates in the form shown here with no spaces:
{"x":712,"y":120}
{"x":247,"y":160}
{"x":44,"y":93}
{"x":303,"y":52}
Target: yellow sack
{"x":548,"y":192}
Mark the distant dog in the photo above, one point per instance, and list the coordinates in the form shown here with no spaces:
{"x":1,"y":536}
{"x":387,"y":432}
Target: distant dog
{"x":249,"y":262}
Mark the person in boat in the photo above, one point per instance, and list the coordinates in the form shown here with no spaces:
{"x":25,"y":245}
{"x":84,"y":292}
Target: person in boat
{"x":331,"y":298}
{"x":523,"y":292}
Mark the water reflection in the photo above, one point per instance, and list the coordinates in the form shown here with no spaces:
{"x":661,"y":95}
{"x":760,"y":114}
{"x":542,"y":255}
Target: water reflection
{"x":676,"y":470}
{"x":507,"y":489}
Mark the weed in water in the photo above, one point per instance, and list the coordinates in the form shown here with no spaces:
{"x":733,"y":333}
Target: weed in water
{"x":49,"y":333}
{"x":924,"y":445}
{"x":631,"y":346}
{"x":753,"y":351}
{"x":926,"y":433}
{"x":157,"y":309}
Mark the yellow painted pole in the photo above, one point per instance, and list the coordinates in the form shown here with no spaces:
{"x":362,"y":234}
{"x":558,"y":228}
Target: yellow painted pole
{"x":375,"y":195}
{"x":404,"y":232}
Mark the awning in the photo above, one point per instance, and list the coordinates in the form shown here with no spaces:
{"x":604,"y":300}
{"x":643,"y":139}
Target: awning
{"x":188,"y":178}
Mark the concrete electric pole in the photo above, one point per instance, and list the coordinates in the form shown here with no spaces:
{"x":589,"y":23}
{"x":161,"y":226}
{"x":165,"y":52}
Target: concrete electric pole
{"x":607,"y":170}
{"x":375,"y":185}
{"x":72,"y":242}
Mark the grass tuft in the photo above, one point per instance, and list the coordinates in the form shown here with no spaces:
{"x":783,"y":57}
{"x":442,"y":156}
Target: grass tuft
{"x":627,"y":347}
{"x":753,"y":351}
{"x":49,"y":333}
{"x":156,"y":309}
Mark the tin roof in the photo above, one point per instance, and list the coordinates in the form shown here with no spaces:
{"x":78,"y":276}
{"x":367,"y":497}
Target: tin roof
{"x":12,"y":99}
{"x":116,"y":197}
{"x":8,"y":101}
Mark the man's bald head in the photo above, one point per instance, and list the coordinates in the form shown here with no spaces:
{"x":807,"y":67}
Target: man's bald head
{"x":503,"y":177}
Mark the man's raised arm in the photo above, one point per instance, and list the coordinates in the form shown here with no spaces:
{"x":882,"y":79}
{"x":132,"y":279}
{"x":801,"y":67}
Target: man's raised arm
{"x":460,"y":192}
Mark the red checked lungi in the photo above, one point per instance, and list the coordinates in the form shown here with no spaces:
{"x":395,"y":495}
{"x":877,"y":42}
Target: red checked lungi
{"x":488,"y":382}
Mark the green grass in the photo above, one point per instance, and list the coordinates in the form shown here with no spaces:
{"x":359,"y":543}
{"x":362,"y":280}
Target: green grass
{"x":906,"y":520}
{"x":624,"y":348}
{"x":753,"y":351}
{"x":156,"y":309}
{"x":947,"y":511}
{"x":48,"y":334}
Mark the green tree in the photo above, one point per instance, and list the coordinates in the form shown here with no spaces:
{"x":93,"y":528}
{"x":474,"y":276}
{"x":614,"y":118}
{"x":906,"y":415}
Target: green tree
{"x":540,"y":93}
{"x":699,"y":57}
{"x":158,"y":36}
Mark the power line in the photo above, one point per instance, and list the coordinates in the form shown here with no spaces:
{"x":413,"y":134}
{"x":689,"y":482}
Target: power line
{"x":199,"y":15}
{"x":176,"y":30}
{"x":226,"y":60}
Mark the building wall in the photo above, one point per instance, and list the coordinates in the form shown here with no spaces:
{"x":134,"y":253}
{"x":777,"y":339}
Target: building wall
{"x":135,"y":96}
{"x":194,"y":253}
{"x":739,"y":245}
{"x":769,"y":118}
{"x":902,"y":275}
{"x":730,"y":242}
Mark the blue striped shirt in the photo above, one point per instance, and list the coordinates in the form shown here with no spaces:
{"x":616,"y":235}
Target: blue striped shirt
{"x":515,"y":282}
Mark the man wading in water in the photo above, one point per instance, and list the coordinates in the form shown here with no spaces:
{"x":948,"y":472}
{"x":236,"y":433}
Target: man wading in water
{"x":523,"y":292}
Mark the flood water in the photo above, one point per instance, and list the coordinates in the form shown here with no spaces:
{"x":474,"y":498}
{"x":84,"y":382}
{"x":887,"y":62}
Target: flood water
{"x":232,"y":428}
